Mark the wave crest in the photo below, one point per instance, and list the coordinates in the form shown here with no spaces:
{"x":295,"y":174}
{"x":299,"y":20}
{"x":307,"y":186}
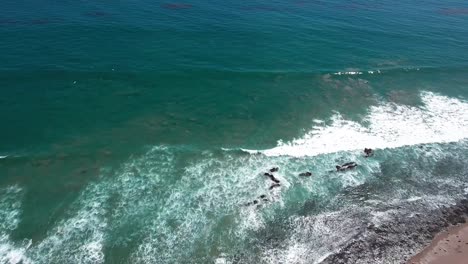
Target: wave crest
{"x":441,"y":119}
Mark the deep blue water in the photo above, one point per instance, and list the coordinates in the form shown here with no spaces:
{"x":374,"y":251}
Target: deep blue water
{"x":136,"y":131}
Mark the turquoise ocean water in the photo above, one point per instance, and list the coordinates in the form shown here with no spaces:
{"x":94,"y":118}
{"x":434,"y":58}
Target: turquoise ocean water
{"x":137,"y":131}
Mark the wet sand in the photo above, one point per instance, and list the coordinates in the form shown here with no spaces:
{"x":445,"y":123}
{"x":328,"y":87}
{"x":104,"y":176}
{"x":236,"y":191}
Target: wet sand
{"x":448,"y":247}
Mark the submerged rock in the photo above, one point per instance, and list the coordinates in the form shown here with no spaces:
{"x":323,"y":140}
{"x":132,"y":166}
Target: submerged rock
{"x":274,"y":169}
{"x":368,"y":152}
{"x":273,"y":178}
{"x":346,"y":166}
{"x":274,"y":186}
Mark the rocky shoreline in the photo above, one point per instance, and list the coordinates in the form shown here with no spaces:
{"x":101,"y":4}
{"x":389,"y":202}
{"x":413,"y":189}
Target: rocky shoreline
{"x":399,"y":240}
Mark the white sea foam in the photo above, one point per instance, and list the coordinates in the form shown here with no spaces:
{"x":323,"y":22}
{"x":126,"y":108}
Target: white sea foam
{"x":355,"y":72}
{"x":221,"y":260}
{"x":294,"y":253}
{"x":78,"y":239}
{"x":210,"y":188}
{"x":348,"y":73}
{"x":440,"y":120}
{"x":10,"y":210}
{"x":313,"y":238}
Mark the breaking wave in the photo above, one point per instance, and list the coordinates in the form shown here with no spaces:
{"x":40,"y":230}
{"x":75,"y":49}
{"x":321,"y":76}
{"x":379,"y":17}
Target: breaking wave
{"x":440,"y":119}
